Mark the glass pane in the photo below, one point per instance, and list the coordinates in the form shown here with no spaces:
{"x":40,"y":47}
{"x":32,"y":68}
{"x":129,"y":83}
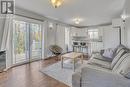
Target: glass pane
{"x":93,"y":34}
{"x":19,"y":41}
{"x":36,"y":39}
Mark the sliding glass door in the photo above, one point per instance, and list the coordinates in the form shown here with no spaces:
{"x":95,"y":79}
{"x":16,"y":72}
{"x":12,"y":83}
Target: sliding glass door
{"x":20,"y":41}
{"x":36,"y":40}
{"x":27,"y":38}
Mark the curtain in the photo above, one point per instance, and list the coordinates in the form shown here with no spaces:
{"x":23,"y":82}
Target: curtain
{"x":60,"y":37}
{"x":7,"y":40}
{"x":44,"y":40}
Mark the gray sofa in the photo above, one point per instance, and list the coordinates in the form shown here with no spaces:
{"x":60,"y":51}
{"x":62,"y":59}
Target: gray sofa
{"x":99,"y":72}
{"x":2,"y":60}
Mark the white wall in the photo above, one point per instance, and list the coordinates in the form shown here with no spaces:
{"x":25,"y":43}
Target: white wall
{"x":128,"y":22}
{"x":51,"y":38}
{"x":128,"y":32}
{"x":55,"y":36}
{"x":110,"y":37}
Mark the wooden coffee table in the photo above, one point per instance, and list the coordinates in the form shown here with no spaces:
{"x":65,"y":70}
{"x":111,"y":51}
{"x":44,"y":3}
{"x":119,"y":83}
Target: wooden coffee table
{"x":74,"y":56}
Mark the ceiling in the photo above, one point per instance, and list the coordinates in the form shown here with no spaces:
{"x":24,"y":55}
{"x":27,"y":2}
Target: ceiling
{"x":92,"y":12}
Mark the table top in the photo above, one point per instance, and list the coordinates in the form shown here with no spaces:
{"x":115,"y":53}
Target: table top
{"x":72,"y":55}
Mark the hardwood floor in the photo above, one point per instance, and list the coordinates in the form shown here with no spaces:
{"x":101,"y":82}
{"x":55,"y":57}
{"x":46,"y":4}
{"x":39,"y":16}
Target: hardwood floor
{"x":28,"y":75}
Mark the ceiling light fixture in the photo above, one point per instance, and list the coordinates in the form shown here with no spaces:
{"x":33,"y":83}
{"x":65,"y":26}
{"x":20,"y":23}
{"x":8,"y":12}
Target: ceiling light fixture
{"x":124,"y":16}
{"x":56,"y":3}
{"x":77,"y":20}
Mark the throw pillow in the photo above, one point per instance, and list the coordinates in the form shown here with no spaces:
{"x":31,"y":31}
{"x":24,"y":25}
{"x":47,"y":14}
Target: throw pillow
{"x":108,"y":53}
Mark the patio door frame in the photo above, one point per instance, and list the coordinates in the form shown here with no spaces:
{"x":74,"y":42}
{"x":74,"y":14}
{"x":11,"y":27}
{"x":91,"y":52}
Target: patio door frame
{"x":29,"y":21}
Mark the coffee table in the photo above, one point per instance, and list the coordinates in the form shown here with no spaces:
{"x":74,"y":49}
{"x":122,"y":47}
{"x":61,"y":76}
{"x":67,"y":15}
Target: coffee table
{"x":74,"y":56}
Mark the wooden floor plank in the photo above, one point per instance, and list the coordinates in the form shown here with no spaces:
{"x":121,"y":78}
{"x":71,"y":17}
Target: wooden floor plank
{"x":28,"y":75}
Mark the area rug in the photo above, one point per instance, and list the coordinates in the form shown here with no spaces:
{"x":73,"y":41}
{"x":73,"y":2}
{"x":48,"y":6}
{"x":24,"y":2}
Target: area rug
{"x":63,"y":75}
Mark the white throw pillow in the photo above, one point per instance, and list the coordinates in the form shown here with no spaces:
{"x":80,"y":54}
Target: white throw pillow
{"x":108,"y":53}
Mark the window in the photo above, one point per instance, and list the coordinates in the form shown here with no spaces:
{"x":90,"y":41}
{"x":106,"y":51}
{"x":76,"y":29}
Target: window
{"x":93,"y":34}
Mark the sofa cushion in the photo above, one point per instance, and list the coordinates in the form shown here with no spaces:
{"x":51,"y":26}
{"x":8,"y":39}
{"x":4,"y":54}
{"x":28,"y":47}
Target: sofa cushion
{"x":100,"y":57}
{"x":117,"y":57}
{"x":119,"y":47}
{"x":97,"y":78}
{"x":76,"y":78}
{"x":100,"y":63}
{"x":119,"y":61}
{"x":97,"y":67}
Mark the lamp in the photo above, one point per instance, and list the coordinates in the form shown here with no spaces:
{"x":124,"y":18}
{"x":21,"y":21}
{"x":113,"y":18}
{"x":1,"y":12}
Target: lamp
{"x":56,"y":3}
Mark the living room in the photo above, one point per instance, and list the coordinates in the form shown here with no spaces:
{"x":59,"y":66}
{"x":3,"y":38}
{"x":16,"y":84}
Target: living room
{"x":64,"y":43}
